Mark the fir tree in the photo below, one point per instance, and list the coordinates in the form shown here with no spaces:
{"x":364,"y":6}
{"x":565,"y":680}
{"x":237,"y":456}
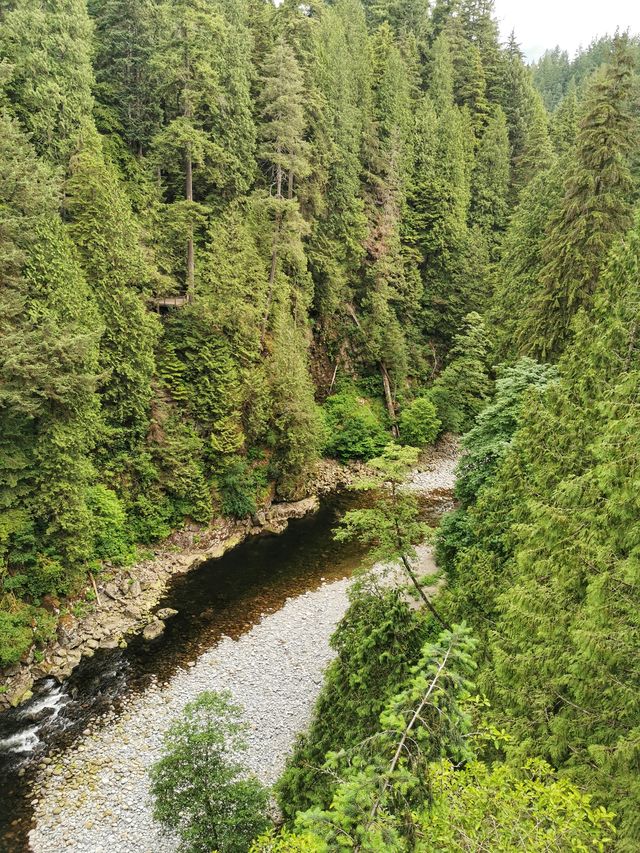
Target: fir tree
{"x":48,"y":52}
{"x":595,"y":208}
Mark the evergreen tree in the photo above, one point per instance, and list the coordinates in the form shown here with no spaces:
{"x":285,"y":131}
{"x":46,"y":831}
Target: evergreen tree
{"x":463,"y":388}
{"x":490,"y":182}
{"x":208,"y":140}
{"x":48,"y":52}
{"x":564,"y":124}
{"x":126,"y":90}
{"x":48,"y":406}
{"x":595,"y":208}
{"x":108,"y":240}
{"x":285,"y":150}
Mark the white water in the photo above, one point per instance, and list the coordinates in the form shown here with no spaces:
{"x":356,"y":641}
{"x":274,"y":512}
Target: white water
{"x":54,"y":701}
{"x":24,"y":741}
{"x":27,"y":739}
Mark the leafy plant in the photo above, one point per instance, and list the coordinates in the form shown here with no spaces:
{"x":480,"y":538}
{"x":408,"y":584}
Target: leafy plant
{"x":237,"y":487}
{"x":419,"y":423}
{"x":354,"y":429}
{"x":200,"y":788}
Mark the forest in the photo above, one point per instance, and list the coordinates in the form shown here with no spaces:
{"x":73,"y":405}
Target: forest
{"x":238,"y":237}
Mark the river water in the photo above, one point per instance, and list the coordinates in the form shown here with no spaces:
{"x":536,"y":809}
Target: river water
{"x":221,"y":598}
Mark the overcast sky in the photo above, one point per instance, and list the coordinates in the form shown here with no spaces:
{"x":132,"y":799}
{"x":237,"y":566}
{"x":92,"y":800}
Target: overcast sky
{"x":540,"y":24}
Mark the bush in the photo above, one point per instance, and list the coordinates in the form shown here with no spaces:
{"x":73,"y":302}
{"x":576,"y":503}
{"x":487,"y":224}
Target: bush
{"x":151,"y":517}
{"x":237,"y":487}
{"x":16,"y":635}
{"x":354,"y":429}
{"x":200,"y":789}
{"x":419,"y":423}
{"x":110,"y":535}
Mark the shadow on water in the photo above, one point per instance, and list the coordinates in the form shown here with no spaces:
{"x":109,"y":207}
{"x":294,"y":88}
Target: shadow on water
{"x":223,"y":597}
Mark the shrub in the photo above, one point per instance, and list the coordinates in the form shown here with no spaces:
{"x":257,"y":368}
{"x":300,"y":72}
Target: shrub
{"x":354,"y":429}
{"x":237,"y":487}
{"x":419,"y":423}
{"x":110,"y":535}
{"x":200,"y":789}
{"x":151,"y":517}
{"x":16,"y":635}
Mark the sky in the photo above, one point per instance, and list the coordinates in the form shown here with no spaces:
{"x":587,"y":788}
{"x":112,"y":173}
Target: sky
{"x":542,"y":24}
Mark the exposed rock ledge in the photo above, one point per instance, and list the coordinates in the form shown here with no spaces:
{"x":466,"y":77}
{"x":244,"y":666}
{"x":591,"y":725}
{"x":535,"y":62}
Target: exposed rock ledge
{"x":127,"y":600}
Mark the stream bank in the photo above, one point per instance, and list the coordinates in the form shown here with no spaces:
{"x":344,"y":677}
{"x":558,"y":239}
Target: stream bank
{"x":256,"y":620}
{"x":128,"y":596}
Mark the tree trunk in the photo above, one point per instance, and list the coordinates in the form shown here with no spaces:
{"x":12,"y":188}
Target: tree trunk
{"x":191,"y":267}
{"x":388,"y":396}
{"x":423,"y":595}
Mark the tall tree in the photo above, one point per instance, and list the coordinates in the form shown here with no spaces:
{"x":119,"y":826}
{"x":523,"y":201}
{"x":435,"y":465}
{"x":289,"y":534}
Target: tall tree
{"x":285,"y":151}
{"x":595,"y":208}
{"x":48,"y":406}
{"x":48,"y":51}
{"x":107,"y":237}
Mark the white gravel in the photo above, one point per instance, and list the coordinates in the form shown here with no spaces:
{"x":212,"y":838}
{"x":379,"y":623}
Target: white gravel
{"x":94,"y":798}
{"x":275,"y":671}
{"x":439,"y":472}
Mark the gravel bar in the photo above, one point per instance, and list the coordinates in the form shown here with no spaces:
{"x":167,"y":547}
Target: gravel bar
{"x":94,"y":798}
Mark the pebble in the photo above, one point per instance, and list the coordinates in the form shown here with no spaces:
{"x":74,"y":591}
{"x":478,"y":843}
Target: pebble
{"x":99,"y":800}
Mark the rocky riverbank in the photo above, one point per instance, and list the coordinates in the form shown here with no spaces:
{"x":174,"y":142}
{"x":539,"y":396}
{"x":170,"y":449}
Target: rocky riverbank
{"x":94,"y":797}
{"x":124,"y":604}
{"x":124,"y":601}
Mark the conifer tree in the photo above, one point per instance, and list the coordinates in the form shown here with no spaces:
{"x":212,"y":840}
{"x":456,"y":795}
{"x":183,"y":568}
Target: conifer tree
{"x":48,"y":407}
{"x":595,"y":208}
{"x":463,"y":388}
{"x":208,"y":140}
{"x":438,"y":201}
{"x":285,"y":151}
{"x":490,"y":182}
{"x":564,"y":124}
{"x":126,"y":36}
{"x":48,"y":52}
{"x":107,"y":237}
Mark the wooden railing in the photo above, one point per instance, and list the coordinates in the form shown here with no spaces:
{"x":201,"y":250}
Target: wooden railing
{"x":171,"y":301}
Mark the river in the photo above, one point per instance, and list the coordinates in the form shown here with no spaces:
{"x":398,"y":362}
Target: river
{"x":229,"y":609}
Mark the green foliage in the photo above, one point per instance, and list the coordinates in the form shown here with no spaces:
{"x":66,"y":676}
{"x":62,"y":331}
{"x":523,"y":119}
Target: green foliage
{"x":504,"y":809}
{"x":387,"y":781}
{"x":463,"y":388}
{"x":549,"y":560}
{"x":16,"y":635}
{"x":48,"y":54}
{"x":237,"y":488}
{"x":390,"y":527}
{"x":354,"y":428}
{"x":419,"y":423}
{"x":376,"y":642}
{"x":594,"y":210}
{"x":200,"y":789}
{"x":486,"y":444}
{"x":110,"y":533}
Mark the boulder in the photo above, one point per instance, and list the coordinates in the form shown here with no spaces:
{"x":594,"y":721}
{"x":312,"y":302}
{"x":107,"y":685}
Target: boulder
{"x":20,"y":689}
{"x":153,"y":630}
{"x":112,"y":590}
{"x":166,"y":613}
